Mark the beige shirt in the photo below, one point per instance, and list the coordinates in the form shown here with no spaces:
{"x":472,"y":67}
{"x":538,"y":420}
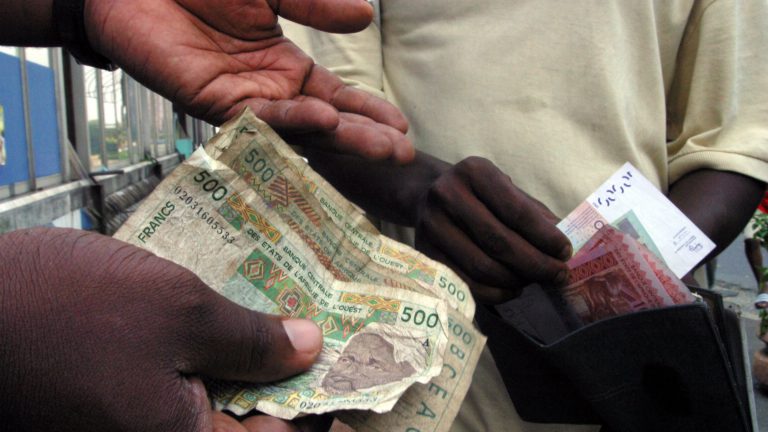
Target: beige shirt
{"x":559,"y":94}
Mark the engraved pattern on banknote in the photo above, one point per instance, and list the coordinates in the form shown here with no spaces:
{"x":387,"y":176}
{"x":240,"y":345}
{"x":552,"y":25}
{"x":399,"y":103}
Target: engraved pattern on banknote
{"x":373,"y":302}
{"x":233,"y":217}
{"x":340,"y":326}
{"x":290,"y":301}
{"x":417,"y":269}
{"x":253,"y":270}
{"x":253,"y":217}
{"x":261,"y":272}
{"x":324,"y":259}
{"x":283,"y":193}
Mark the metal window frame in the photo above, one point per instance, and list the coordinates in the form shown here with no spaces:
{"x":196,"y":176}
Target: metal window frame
{"x":100,"y":110}
{"x":57,"y":64}
{"x":35,"y":182}
{"x":32,"y":177}
{"x":80,"y":114}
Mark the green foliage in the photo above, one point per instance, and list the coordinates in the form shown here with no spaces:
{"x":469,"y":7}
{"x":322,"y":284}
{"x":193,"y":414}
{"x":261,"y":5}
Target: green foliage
{"x":760,"y":225}
{"x":115,"y":140}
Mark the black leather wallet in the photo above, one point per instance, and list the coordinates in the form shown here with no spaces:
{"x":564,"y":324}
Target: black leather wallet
{"x":679,"y":368}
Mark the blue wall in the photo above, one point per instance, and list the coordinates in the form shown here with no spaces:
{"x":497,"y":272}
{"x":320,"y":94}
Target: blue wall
{"x":45,"y":130}
{"x":45,"y":133}
{"x":15,"y":168}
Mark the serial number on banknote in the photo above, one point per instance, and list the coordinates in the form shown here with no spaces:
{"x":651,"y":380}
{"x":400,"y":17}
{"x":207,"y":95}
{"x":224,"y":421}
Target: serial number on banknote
{"x":217,"y":191}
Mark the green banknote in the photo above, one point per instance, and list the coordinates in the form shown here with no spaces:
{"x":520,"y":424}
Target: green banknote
{"x":314,"y":208}
{"x":284,"y":192}
{"x":317,"y":212}
{"x":630,"y":224}
{"x":432,"y":406}
{"x":205,"y":217}
{"x":272,"y":235}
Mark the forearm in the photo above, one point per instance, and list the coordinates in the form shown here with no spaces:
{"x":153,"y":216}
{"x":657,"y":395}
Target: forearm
{"x":27,"y":23}
{"x":383,"y":189}
{"x":720,"y":203}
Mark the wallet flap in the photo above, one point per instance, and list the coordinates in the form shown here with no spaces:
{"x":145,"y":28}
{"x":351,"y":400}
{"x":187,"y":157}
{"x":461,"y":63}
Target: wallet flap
{"x":659,"y":369}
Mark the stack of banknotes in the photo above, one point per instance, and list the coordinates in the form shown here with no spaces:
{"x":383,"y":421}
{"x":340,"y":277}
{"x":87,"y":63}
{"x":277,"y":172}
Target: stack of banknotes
{"x":614,"y":273}
{"x":632,"y":246}
{"x":249,"y":217}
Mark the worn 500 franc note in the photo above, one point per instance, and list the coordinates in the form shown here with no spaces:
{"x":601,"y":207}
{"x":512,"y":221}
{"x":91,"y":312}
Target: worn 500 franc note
{"x":207,"y":219}
{"x":283,"y":191}
{"x":251,"y":148}
{"x":433,"y":406}
{"x":317,"y":212}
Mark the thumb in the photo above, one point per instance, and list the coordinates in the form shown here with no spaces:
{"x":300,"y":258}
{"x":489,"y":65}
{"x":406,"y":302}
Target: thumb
{"x":240,"y":344}
{"x":338,"y":16}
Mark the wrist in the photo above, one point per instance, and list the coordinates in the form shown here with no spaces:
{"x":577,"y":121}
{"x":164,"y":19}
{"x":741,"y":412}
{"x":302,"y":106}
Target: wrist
{"x":28,"y":23}
{"x":69,"y":22}
{"x":409,"y":198}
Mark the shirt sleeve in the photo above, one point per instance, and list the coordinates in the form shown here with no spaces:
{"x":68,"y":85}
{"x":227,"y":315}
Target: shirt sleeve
{"x":718,"y":102}
{"x":356,"y":57}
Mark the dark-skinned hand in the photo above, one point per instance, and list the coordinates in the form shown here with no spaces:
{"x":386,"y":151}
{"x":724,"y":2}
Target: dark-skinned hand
{"x":494,"y":235}
{"x":214,"y":57}
{"x":99,"y":335}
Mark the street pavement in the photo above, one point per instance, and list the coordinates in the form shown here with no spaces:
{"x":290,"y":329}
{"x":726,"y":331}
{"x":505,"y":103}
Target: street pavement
{"x":734,"y":279}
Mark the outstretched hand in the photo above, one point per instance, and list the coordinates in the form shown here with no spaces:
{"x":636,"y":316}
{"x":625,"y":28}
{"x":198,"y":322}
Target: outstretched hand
{"x":213,"y":57}
{"x":101,"y":335}
{"x":494,"y":235}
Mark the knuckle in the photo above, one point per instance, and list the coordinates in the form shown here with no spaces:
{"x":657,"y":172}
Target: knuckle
{"x":490,"y":295}
{"x":494,"y":243}
{"x":482,"y":267}
{"x":262,"y":340}
{"x":441,"y":191}
{"x":542,"y":270}
{"x":514,"y":214}
{"x":426,"y":226}
{"x":193,"y":307}
{"x":474,"y":163}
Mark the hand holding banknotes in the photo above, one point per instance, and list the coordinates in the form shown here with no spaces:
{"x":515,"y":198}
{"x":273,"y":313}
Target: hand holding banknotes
{"x":492,"y":233}
{"x":101,"y":335}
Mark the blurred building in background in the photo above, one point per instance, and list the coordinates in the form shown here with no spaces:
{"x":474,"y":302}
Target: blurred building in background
{"x":79,"y":146}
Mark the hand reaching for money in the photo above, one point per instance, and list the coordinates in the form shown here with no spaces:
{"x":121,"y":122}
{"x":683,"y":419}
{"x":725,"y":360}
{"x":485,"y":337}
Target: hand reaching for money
{"x":494,"y":235}
{"x":216,"y":57}
{"x":97,"y":335}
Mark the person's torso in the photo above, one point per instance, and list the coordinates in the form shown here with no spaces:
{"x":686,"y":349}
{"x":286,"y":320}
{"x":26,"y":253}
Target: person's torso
{"x":559,"y":94}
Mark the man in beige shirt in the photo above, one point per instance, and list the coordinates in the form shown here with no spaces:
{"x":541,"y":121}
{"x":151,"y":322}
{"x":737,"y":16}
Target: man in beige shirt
{"x":546,"y":99}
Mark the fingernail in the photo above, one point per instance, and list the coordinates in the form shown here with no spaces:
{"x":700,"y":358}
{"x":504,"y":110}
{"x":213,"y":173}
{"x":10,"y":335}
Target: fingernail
{"x":566,"y":253}
{"x":562,"y":277}
{"x":305,"y":335}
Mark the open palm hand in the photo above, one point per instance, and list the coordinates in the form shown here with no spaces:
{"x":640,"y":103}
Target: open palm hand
{"x":215,"y":57}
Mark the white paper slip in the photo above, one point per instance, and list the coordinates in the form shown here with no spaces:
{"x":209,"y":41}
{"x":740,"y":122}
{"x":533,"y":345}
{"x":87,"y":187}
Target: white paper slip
{"x":682,"y":244}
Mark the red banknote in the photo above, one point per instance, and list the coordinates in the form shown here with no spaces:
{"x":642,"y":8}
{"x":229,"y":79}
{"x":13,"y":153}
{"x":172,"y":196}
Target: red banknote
{"x":613,"y":274}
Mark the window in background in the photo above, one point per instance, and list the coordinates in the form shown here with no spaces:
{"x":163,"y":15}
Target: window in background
{"x":114,"y":128}
{"x":32,"y":143}
{"x":115,"y":110}
{"x":12,"y":51}
{"x":155,"y":124}
{"x":94,"y":107}
{"x":40,"y":56}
